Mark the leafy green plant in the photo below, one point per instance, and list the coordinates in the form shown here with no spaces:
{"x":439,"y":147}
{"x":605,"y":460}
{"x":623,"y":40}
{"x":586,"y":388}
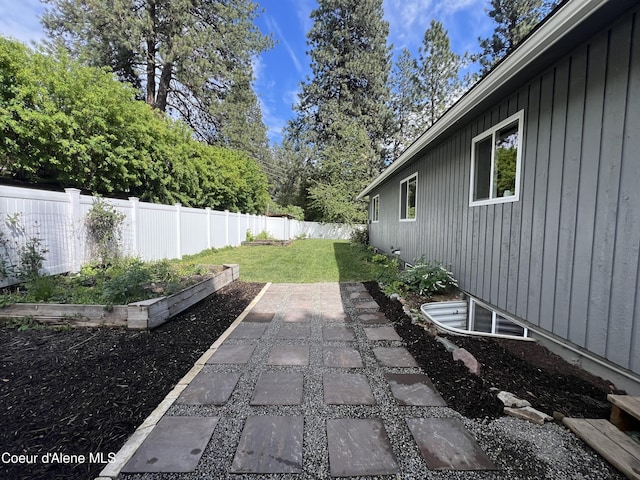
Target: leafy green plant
{"x":380,"y":259}
{"x":104,"y":231}
{"x":126,"y":282}
{"x":24,"y":323}
{"x":360,"y":236}
{"x":41,"y":288}
{"x":264,"y":235}
{"x":21,"y":254}
{"x":425,"y":278}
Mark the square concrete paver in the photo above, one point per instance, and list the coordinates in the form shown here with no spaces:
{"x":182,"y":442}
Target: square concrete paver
{"x":394,"y":357}
{"x":297,"y":316}
{"x":338,"y":333}
{"x":357,"y":287}
{"x":248,"y":330}
{"x":237,"y":354}
{"x":359,"y":447}
{"x":366,"y":305}
{"x":209,"y":388}
{"x":376,"y":318}
{"x":329,"y":316}
{"x":277,"y":388}
{"x":347,"y":389}
{"x":360,"y":296}
{"x":341,"y":357}
{"x":295,"y":355}
{"x":259,"y":315}
{"x":414,"y":389}
{"x":446,"y":445}
{"x":294,"y":332}
{"x":382,"y":333}
{"x":270,"y":444}
{"x":174,"y":445}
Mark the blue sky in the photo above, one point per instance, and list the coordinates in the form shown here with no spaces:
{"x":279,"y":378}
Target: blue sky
{"x":279,"y":71}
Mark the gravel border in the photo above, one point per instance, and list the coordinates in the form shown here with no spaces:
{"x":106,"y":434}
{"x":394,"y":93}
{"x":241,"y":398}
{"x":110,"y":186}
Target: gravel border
{"x":519,"y":450}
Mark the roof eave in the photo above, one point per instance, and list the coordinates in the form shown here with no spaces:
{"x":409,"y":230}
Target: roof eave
{"x":566,"y":19}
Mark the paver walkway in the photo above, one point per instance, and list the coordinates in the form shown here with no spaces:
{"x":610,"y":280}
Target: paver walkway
{"x":313,"y":382}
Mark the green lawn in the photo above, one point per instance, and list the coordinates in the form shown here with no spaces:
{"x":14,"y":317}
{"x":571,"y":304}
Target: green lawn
{"x":304,"y":261}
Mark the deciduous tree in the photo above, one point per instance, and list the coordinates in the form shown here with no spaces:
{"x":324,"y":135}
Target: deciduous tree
{"x":70,"y":125}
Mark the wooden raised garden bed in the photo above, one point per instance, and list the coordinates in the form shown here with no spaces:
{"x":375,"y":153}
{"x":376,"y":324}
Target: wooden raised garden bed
{"x":141,"y":315}
{"x":281,"y":243}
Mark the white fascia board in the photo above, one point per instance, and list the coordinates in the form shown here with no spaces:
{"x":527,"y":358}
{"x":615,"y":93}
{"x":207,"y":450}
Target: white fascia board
{"x":565,"y":20}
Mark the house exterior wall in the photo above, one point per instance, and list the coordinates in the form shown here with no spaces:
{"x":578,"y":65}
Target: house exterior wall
{"x":565,"y":257}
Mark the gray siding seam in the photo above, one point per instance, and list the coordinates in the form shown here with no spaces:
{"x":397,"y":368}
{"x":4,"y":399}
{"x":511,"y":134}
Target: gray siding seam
{"x":578,"y":192}
{"x":561,"y":154}
{"x":615,"y":254}
{"x":635,"y":35}
{"x":532,"y":183}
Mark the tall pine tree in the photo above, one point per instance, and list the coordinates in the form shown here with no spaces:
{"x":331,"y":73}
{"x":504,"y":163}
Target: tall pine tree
{"x":404,"y":103}
{"x":514,"y":19}
{"x":184,"y":55}
{"x":345,"y":98}
{"x":438,"y":73}
{"x":422,"y":90}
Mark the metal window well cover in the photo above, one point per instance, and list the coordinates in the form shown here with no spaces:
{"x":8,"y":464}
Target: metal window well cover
{"x":451,"y":317}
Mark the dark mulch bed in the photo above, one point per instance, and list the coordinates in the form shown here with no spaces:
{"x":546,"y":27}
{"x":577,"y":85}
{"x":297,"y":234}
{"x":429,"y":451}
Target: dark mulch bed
{"x":85,"y":391}
{"x":525,"y":369}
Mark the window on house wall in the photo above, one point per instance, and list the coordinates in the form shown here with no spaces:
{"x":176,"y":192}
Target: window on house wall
{"x":375,"y":208}
{"x":408,"y":192}
{"x":496,"y":157}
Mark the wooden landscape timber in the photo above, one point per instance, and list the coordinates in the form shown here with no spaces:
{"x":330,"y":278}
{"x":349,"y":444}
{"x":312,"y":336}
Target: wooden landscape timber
{"x":143,"y":315}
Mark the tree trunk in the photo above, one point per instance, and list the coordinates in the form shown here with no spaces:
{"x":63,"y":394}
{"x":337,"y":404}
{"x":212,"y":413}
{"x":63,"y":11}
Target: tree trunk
{"x":163,"y":88}
{"x":151,"y":56}
{"x":151,"y":72}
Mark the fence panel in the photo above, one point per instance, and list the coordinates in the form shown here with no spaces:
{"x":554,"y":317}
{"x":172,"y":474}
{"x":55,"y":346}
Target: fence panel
{"x":219,"y":229}
{"x":193,"y":231}
{"x":149,"y":231}
{"x":157,"y":232}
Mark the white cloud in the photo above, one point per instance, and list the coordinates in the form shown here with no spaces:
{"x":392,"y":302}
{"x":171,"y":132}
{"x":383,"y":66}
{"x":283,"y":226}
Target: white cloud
{"x":408,"y":20}
{"x":21,"y":20}
{"x":303,"y":12}
{"x":273,"y":25}
{"x":291,"y":97}
{"x":257,"y":65}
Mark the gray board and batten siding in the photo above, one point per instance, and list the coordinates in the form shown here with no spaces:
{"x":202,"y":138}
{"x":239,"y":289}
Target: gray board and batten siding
{"x":565,"y":256}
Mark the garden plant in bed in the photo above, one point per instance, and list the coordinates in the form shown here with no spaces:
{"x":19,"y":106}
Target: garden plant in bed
{"x":124,"y":281}
{"x":524,"y":368}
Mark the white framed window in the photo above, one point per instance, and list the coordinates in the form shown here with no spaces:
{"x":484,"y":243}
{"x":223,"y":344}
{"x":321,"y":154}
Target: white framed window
{"x":483,"y":318}
{"x":496,"y":162}
{"x":408,"y":194}
{"x":375,"y":209}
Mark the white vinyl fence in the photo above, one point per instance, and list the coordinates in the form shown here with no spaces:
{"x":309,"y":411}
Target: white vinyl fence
{"x":150,"y":231}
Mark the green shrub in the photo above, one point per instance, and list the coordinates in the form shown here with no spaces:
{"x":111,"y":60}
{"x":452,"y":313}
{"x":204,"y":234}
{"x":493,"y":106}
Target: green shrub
{"x":360,"y":236}
{"x":104,"y":230}
{"x":126,"y":282}
{"x":264,"y":235}
{"x":41,"y":289}
{"x":428,"y":279}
